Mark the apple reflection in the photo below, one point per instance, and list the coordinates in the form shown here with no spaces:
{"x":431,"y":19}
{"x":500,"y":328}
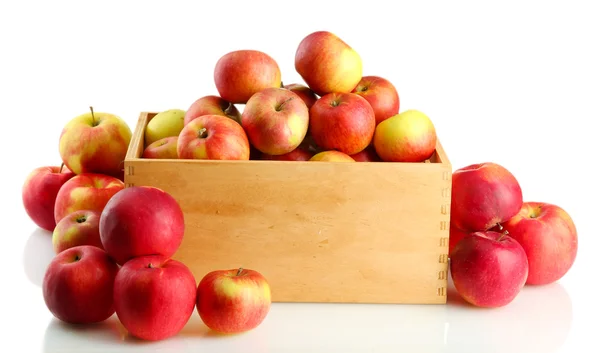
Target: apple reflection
{"x":37,"y":255}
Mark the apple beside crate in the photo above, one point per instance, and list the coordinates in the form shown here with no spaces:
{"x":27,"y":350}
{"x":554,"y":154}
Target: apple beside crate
{"x":318,"y":231}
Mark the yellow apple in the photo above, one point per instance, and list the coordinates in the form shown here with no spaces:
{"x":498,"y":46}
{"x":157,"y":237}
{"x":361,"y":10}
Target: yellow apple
{"x":164,"y":124}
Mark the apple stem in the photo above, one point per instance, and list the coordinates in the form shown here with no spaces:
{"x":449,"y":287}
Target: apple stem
{"x":505,"y":233}
{"x":278,"y":108}
{"x":150,"y":265}
{"x":281,"y":85}
{"x":61,"y":167}
{"x":93,"y":118}
{"x":499,"y":226}
{"x":239,"y":272}
{"x":229,"y":109}
{"x":202,"y":133}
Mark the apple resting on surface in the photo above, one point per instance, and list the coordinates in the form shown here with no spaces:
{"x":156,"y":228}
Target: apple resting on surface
{"x":164,"y":124}
{"x":308,"y":96}
{"x":343,"y":122}
{"x":78,"y":228}
{"x":275,"y":120}
{"x":211,"y":105}
{"x":406,"y":137}
{"x":366,"y":155}
{"x":154,"y":297}
{"x":488,"y":268}
{"x":331,"y":156}
{"x":213,"y":137}
{"x":240,"y":74}
{"x":95,"y":143}
{"x":233,"y":301}
{"x":328,"y":64}
{"x":39,"y":193}
{"x":165,"y":148}
{"x":87,"y":191}
{"x":78,"y":285}
{"x":548,"y":235}
{"x":381,"y":94}
{"x":298,"y":154}
{"x":483,"y":195}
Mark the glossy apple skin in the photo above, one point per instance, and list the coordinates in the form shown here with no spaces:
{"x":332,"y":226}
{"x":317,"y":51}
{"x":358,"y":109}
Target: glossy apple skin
{"x":165,"y":148}
{"x":488,"y":268}
{"x":140,"y":221}
{"x":95,"y":144}
{"x":366,"y":155}
{"x":240,"y":74}
{"x":331,"y":156}
{"x":213,"y":137}
{"x":39,"y":192}
{"x":308,"y":96}
{"x":343,"y":122}
{"x":381,"y":94}
{"x":328,"y":64}
{"x":455,"y":235}
{"x":298,"y":154}
{"x":78,"y":285}
{"x":549,"y":236}
{"x":154,"y":297}
{"x":483,"y":195}
{"x":87,"y":191}
{"x":275,"y":121}
{"x":233,"y":301}
{"x":81,"y":227}
{"x":211,"y":105}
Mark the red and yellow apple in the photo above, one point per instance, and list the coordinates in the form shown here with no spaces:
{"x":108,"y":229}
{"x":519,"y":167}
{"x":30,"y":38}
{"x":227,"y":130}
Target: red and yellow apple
{"x":308,"y":96}
{"x":240,"y":74}
{"x":366,"y":155}
{"x":342,"y":121}
{"x":78,"y":228}
{"x":331,"y":156}
{"x":211,"y":105}
{"x":328,"y":64}
{"x":164,"y":124}
{"x":298,"y":154}
{"x":275,"y":120}
{"x":381,"y":94}
{"x":213,"y":137}
{"x":233,"y":301}
{"x":165,"y":148}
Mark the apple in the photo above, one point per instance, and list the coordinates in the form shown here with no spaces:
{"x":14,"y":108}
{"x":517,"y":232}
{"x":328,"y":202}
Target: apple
{"x":298,"y":154}
{"x":211,"y":105}
{"x":240,"y":74}
{"x":488,"y":268}
{"x":328,"y":64}
{"x":78,"y":228}
{"x":409,"y":136}
{"x":343,"y":122}
{"x":366,"y":155}
{"x":455,"y":235}
{"x":483,"y":195}
{"x":548,"y":235}
{"x":95,"y":143}
{"x":154,"y":297}
{"x":308,"y":96}
{"x":213,"y":137}
{"x":87,"y":191}
{"x":139,"y":221}
{"x":275,"y":120}
{"x":164,"y":124}
{"x":78,"y":285}
{"x":331,"y":156}
{"x":165,"y":148}
{"x":39,"y":192}
{"x":381,"y":94}
{"x":233,"y":301}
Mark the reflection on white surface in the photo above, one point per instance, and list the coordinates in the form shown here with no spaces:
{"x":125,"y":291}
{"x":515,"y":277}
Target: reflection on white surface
{"x":37,"y":255}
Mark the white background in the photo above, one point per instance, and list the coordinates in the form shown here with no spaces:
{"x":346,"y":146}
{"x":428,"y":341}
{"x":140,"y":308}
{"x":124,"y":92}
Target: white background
{"x":514,"y":83}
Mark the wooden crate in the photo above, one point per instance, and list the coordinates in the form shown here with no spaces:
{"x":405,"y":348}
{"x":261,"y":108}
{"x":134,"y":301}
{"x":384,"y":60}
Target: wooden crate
{"x":319,"y":232}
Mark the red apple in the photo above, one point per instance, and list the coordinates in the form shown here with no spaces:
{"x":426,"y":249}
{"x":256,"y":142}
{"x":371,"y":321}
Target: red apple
{"x":139,"y":221}
{"x":366,"y":155}
{"x":87,"y":191}
{"x":78,"y":285}
{"x":343,"y":122}
{"x":233,"y":301}
{"x":39,"y":193}
{"x":308,"y":96}
{"x":298,"y":154}
{"x":275,"y":121}
{"x":548,"y":235}
{"x":211,"y":105}
{"x":483,"y":195}
{"x":455,"y":235}
{"x":165,"y":148}
{"x":488,"y":268}
{"x":331,"y":156}
{"x":381,"y":94}
{"x":154,"y":297}
{"x":213,"y":137}
{"x":240,"y":74}
{"x":78,"y":228}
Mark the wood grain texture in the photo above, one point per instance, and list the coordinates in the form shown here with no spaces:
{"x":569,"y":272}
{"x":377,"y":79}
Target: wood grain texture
{"x":320,"y":232}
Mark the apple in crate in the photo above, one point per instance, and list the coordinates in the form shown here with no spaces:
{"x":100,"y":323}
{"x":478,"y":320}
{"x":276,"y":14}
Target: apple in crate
{"x":87,"y":191}
{"x":78,"y":285}
{"x":165,"y":148}
{"x":308,"y":96}
{"x":331,"y":156}
{"x":78,"y":228}
{"x":240,"y":74}
{"x":213,"y":137}
{"x":483,"y":195}
{"x":211,"y":105}
{"x":275,"y":120}
{"x":233,"y":301}
{"x":39,"y":192}
{"x":366,"y":155}
{"x":154,"y":296}
{"x":342,"y":121}
{"x":548,"y":235}
{"x":409,"y":136}
{"x":164,"y":124}
{"x":95,"y":142}
{"x":298,"y":154}
{"x":488,"y":268}
{"x":381,"y":94}
{"x":328,"y":64}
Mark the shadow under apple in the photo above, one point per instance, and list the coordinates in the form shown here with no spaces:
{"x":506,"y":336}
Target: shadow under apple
{"x":37,"y":255}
